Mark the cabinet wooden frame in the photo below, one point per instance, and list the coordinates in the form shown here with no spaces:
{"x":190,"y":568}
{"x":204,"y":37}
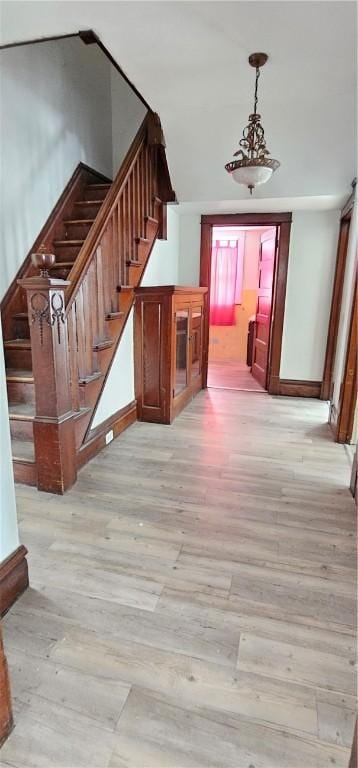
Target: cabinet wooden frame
{"x":283,"y":223}
{"x":155,"y":342}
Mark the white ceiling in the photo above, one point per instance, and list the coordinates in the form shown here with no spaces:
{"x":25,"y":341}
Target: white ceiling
{"x":189,"y":60}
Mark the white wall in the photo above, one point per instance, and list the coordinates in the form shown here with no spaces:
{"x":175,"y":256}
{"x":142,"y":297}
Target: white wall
{"x":9,"y":539}
{"x":347,"y":298}
{"x":127,"y":115}
{"x":162,"y":269}
{"x":311,"y":266}
{"x":56,"y":112}
{"x":189,"y":249}
{"x":310,"y":277}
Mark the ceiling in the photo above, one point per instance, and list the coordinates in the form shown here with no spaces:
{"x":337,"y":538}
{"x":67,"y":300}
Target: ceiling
{"x":189,"y":60}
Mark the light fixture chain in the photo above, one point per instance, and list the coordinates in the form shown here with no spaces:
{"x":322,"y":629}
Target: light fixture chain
{"x":256,"y":87}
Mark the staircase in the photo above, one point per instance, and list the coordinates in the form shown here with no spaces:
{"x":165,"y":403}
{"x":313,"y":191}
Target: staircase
{"x":62,"y":327}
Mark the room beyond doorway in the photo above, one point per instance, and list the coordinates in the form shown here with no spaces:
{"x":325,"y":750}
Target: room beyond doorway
{"x":269,"y":330}
{"x":242,"y":270}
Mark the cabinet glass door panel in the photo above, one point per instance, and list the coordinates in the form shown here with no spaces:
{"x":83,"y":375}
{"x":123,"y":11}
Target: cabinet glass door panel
{"x":196,"y":340}
{"x":181,"y":363}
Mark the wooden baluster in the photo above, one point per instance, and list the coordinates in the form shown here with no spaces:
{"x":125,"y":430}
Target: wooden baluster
{"x":121,"y":226}
{"x":144,"y":182}
{"x":129,"y":216}
{"x":100,"y":295}
{"x":134,"y":204}
{"x":87,"y":324}
{"x":54,"y":435}
{"x":80,"y":332}
{"x":73,"y":352}
{"x":139,"y":198}
{"x":150,"y":181}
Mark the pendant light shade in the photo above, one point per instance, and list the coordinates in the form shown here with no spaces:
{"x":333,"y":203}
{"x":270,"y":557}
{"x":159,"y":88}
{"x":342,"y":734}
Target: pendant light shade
{"x":253,"y":166}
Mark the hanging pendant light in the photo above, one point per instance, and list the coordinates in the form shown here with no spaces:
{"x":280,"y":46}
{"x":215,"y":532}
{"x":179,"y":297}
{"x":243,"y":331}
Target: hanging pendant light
{"x":254,"y":166}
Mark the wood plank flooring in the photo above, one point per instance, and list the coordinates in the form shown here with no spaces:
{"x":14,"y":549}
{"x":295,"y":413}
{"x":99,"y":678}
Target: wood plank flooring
{"x":192,"y":600}
{"x":228,"y":374}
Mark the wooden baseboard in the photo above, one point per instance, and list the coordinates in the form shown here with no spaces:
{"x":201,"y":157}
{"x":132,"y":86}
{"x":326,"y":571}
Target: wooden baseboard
{"x":297,"y":388}
{"x":14,"y":578}
{"x":118,"y":422}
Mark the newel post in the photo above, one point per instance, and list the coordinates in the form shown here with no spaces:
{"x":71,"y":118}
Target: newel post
{"x":54,"y":435}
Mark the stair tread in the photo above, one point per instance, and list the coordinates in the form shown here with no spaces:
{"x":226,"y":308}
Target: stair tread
{"x":89,"y":202}
{"x":62,"y":265}
{"x":99,"y":186}
{"x":91,"y":377}
{"x":68,"y":242}
{"x":152,"y":219}
{"x":142,"y":240}
{"x":13,"y":374}
{"x":114,"y":315}
{"x":21,"y":316}
{"x":22,"y":450}
{"x":22,"y":411}
{"x":79,"y":221}
{"x":134,"y":263}
{"x":105,"y":344}
{"x":17,"y":344}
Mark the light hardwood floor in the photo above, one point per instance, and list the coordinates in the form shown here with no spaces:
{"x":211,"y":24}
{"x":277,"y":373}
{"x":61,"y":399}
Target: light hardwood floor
{"x":192,"y":598}
{"x":228,"y":374}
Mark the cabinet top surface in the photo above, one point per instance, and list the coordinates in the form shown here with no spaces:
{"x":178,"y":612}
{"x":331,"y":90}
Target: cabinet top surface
{"x":171,"y":289}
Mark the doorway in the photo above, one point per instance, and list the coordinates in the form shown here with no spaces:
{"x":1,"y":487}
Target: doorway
{"x":243,"y":263}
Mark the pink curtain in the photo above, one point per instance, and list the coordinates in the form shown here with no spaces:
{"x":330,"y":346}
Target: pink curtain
{"x":226,"y":281}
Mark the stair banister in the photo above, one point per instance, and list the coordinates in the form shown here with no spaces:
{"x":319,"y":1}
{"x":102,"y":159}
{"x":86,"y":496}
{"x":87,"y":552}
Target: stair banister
{"x":89,"y":248}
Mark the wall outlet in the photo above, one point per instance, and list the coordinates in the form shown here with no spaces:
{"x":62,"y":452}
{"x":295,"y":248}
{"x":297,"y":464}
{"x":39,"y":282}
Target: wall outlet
{"x":109,"y":436}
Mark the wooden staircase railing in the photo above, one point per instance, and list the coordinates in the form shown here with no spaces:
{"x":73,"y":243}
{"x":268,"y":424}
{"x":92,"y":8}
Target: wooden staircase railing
{"x":76,"y":324}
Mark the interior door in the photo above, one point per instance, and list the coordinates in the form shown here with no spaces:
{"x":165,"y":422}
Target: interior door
{"x":261,"y":344}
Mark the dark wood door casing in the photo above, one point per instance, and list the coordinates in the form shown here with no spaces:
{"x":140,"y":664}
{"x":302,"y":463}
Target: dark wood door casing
{"x":336,"y":303}
{"x":283,"y":223}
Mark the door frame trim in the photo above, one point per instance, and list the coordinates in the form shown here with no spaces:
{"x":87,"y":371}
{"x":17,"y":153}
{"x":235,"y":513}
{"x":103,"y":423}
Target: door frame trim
{"x":283,"y":223}
{"x":348,"y":394}
{"x":336,"y":301}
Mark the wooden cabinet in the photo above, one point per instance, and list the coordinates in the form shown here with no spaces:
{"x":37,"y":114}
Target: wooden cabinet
{"x":169,"y":325}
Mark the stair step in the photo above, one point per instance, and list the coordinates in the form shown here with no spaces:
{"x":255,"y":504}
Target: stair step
{"x":105,"y":344}
{"x":133,"y":263}
{"x":20,"y":316}
{"x":124,"y":288}
{"x":21,"y":412}
{"x":22,"y":450}
{"x":68,"y":243}
{"x":17,"y":344}
{"x":92,"y":377}
{"x":114,"y":315}
{"x":100,"y":186}
{"x":79,"y":222}
{"x":62,"y":265}
{"x":151,"y":219}
{"x":14,"y":375}
{"x":88,"y":202}
{"x":142,"y":240}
